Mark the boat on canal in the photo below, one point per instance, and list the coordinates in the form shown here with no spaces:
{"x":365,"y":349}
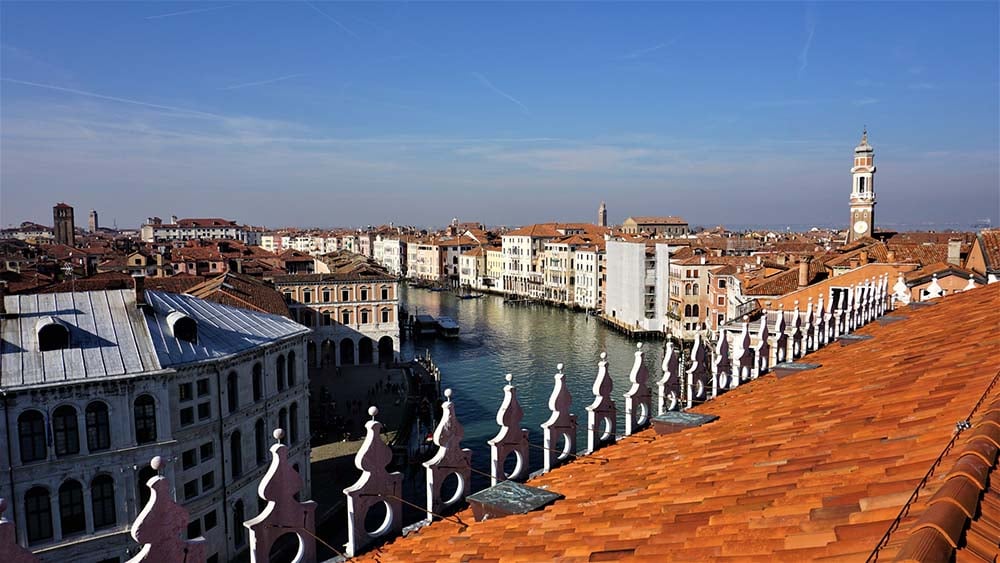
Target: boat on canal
{"x":447,"y":327}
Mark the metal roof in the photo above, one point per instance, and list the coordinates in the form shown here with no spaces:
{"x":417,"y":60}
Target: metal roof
{"x":222,"y":330}
{"x":107,"y":333}
{"x":109,"y":336}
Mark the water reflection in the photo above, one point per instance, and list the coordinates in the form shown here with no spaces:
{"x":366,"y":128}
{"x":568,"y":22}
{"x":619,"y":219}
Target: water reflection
{"x":527,"y":341}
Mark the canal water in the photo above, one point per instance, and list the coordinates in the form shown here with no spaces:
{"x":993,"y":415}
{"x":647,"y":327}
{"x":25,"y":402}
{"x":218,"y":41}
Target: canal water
{"x":528,"y":341}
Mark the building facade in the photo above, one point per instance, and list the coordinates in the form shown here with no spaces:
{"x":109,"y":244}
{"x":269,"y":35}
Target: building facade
{"x":636,"y":295}
{"x":663,"y":226}
{"x":91,"y":397}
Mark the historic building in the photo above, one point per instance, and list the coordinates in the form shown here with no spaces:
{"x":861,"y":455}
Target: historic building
{"x":663,"y":226}
{"x":602,"y":215}
{"x":352,"y":311}
{"x":63,"y":225}
{"x":96,"y":383}
{"x":862,"y":191}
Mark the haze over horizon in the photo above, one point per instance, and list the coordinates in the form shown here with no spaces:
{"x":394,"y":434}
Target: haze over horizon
{"x":325,"y":114}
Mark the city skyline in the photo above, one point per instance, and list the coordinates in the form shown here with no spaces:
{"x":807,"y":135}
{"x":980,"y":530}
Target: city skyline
{"x":364,"y":114}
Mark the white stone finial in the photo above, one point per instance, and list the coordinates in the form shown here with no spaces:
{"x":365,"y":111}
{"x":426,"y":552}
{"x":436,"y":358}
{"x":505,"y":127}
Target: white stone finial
{"x":638,"y":346}
{"x":509,"y":377}
{"x":374,"y":486}
{"x":450,"y":459}
{"x":561,"y":424}
{"x":697,"y":373}
{"x":761,"y":359}
{"x":372,"y":411}
{"x":278,"y":434}
{"x":559,"y":367}
{"x":638,"y":398}
{"x":159,"y":525}
{"x":668,"y":387}
{"x":602,"y":414}
{"x":901,"y":291}
{"x":934,"y":290}
{"x":510,"y":440}
{"x":721,"y":365}
{"x":970,"y":285}
{"x":780,"y":338}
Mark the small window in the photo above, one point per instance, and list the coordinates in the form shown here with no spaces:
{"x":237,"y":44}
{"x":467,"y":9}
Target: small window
{"x":233,"y":391}
{"x":239,"y":515}
{"x":385,"y":293}
{"x":185,"y":392}
{"x":260,"y":441}
{"x":204,"y":387}
{"x":326,"y":296}
{"x":207,"y":481}
{"x":38,"y":510}
{"x":211,"y":519}
{"x":189,"y":459}
{"x":187,"y":416}
{"x":236,"y":453}
{"x":364,"y":294}
{"x":307,"y":296}
{"x":190,"y":489}
{"x":345,"y":317}
{"x":194,"y":529}
{"x":722,"y":284}
{"x":71,"y":514}
{"x":385,"y":315}
{"x":207,"y":451}
{"x":280,"y":369}
{"x":345,"y":295}
{"x":204,"y":411}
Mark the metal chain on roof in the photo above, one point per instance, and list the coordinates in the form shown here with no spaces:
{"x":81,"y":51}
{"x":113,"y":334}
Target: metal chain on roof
{"x":960,"y":426}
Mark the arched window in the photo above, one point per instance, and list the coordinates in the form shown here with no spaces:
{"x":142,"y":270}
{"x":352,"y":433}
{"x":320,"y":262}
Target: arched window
{"x":280,"y":366}
{"x":236,"y":453}
{"x":364,"y":294}
{"x":98,"y":427}
{"x":345,"y":317}
{"x":687,"y":289}
{"x":258,"y":382}
{"x":687,"y":310}
{"x":66,"y":431}
{"x":233,"y":391}
{"x":38,"y":512}
{"x":145,"y":419}
{"x":365,"y":316}
{"x":694,"y":289}
{"x":31,"y":434}
{"x":239,"y":515}
{"x":145,"y":474}
{"x":71,"y":514}
{"x":385,"y":315}
{"x":283,"y":424}
{"x":260,"y":441}
{"x":293,"y":423}
{"x":102,"y":501}
{"x":385,"y":293}
{"x":694,"y":311}
{"x":291,"y":368}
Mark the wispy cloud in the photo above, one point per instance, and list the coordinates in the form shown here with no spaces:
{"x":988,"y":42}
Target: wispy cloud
{"x":337,"y":22}
{"x":865,"y":101}
{"x":188,"y":12}
{"x":922,"y":86}
{"x":262,"y":82}
{"x":112,"y":98}
{"x":486,"y":82}
{"x":645,"y":51}
{"x":810,"y":32}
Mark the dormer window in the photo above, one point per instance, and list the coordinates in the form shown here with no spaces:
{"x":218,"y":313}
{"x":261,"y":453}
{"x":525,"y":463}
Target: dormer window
{"x":52,"y":334}
{"x":182,"y":327}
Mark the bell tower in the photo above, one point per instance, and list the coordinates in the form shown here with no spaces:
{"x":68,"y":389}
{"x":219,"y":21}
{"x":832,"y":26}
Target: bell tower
{"x":862,"y":191}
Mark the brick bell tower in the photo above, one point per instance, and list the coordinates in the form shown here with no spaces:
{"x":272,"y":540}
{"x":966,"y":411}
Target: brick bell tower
{"x":862,"y":191}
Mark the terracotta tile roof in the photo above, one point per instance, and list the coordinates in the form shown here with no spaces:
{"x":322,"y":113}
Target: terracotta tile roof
{"x":810,"y":467}
{"x":784,"y":282}
{"x":941,"y":269}
{"x":241,"y":291}
{"x":990,"y":243}
{"x":855,"y":276}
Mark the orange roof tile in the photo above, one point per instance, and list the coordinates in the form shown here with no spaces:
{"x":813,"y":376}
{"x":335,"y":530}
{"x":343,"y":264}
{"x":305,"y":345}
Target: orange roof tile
{"x":809,"y":467}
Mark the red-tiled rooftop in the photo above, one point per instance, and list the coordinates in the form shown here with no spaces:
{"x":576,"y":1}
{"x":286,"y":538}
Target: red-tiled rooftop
{"x":815,"y":466}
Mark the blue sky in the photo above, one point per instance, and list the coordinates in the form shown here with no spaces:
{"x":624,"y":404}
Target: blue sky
{"x":313,"y":113}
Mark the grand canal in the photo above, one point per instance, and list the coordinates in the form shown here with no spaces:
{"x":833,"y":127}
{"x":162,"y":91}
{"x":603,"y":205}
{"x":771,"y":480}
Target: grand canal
{"x":528,"y":341}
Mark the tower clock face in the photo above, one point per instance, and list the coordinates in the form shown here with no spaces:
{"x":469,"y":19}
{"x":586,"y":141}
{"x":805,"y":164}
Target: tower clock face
{"x":860,"y":227}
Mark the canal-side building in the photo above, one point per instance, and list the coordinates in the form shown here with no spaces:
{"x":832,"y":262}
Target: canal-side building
{"x":352,"y":311}
{"x":636,"y":297}
{"x":96,"y":383}
{"x":590,"y":275}
{"x":524,"y":252}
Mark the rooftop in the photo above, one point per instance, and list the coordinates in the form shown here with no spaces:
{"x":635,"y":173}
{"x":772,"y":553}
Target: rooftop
{"x":814,"y":466}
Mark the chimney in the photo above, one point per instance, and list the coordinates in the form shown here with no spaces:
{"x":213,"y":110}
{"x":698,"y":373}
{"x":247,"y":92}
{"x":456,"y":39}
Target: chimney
{"x":955,"y":252}
{"x":864,"y":257}
{"x":890,"y":257}
{"x":804,"y":271}
{"x":159,"y":266}
{"x":140,"y":291}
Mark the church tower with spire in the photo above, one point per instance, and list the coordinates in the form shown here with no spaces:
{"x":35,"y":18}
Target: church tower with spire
{"x":863,"y":191}
{"x":602,"y":215}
